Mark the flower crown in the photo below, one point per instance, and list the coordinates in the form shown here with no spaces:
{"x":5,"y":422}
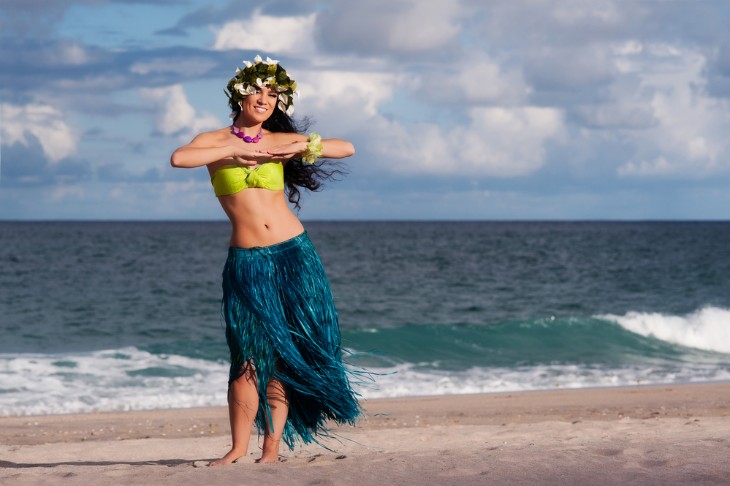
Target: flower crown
{"x":261,"y":73}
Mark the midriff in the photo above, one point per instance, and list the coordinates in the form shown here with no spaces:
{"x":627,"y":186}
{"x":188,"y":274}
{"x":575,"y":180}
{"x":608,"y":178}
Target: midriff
{"x":260,"y":217}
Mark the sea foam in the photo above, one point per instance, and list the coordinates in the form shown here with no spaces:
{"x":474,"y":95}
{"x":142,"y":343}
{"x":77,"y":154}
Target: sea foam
{"x":410,"y":380}
{"x":707,"y":328}
{"x":133,"y":379}
{"x":109,"y":380}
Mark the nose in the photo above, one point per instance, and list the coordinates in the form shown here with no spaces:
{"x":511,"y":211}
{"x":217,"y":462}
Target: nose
{"x":261,"y":96}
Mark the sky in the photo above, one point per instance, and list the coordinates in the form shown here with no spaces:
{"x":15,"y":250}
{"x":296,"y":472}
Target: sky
{"x":458,"y":109}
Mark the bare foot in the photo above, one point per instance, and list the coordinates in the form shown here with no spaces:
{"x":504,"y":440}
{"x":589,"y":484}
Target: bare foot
{"x":270,"y":452}
{"x":232,"y":456}
{"x":268,"y":458}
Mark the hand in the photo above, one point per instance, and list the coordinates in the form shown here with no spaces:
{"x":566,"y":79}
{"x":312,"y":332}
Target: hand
{"x":286,"y":151}
{"x":249,"y":157}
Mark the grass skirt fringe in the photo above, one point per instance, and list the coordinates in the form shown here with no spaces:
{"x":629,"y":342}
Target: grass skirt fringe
{"x":280,"y":318}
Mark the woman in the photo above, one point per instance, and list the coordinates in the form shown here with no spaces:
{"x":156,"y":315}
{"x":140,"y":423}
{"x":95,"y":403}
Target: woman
{"x":281,"y":325}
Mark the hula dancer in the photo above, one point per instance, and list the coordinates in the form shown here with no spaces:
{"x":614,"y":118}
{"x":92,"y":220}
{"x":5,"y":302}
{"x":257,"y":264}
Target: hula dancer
{"x":286,"y":370}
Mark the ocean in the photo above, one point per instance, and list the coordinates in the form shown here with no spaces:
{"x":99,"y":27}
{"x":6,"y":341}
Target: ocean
{"x":111,"y":316}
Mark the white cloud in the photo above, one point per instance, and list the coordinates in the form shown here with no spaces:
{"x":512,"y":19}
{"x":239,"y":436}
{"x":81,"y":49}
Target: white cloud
{"x":556,"y":23}
{"x":391,"y":27}
{"x":499,"y":142}
{"x":71,"y":53}
{"x":337,"y":91}
{"x":628,"y":48}
{"x":690,"y":137}
{"x":423,"y":25}
{"x":571,"y":67}
{"x":346,"y":102}
{"x":486,"y":80}
{"x":509,"y":141}
{"x":67,"y":192}
{"x":626,"y":105}
{"x":178,"y":66}
{"x":658,"y":166}
{"x":578,"y":12}
{"x":176,"y":115}
{"x":621,"y":114}
{"x":476,"y":79}
{"x":45,"y":122}
{"x":280,"y":35}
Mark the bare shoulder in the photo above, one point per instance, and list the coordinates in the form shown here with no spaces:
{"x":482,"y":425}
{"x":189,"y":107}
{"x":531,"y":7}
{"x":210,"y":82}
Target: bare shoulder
{"x":286,"y":137}
{"x":212,"y":138}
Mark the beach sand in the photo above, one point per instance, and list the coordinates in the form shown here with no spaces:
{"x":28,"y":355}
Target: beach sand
{"x":671,"y":434}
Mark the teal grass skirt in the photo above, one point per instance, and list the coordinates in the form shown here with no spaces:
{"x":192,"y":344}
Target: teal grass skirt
{"x":281,"y":319}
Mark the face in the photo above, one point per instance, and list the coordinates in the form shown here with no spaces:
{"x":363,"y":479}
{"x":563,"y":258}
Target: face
{"x":260,"y":105}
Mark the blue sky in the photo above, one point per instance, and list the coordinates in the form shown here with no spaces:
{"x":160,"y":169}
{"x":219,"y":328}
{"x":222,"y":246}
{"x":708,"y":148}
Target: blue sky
{"x":459,"y":109}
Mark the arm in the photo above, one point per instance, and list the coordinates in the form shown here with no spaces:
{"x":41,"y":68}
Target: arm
{"x":207,"y":148}
{"x":332,"y":148}
{"x":335,"y":148}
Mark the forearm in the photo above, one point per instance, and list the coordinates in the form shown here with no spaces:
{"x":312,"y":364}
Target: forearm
{"x":189,"y":157}
{"x":335,"y":148}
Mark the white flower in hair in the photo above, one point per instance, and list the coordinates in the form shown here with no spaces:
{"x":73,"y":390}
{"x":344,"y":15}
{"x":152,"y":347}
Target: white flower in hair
{"x":290,"y":110}
{"x":270,"y":61}
{"x":248,"y":64}
{"x":257,"y":59}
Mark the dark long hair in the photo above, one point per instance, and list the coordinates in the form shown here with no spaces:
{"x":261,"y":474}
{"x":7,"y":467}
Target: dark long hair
{"x":298,"y":174}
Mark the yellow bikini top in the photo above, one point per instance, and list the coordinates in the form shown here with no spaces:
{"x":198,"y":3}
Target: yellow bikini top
{"x":231,"y":179}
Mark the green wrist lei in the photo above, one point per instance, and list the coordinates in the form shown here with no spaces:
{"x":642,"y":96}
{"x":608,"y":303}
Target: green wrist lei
{"x":314,"y":149}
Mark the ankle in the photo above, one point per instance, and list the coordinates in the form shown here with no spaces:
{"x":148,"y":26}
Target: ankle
{"x":240,"y":449}
{"x":271,"y":444}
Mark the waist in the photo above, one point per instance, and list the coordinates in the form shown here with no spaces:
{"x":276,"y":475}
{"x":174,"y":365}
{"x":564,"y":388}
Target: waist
{"x":260,"y":218}
{"x":282,"y":246}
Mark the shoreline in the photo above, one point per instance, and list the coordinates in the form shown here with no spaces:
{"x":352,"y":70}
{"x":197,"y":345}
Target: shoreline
{"x":644,"y":434}
{"x":377,"y":412}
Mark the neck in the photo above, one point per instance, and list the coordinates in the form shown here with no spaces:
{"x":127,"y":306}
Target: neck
{"x":247,"y":128}
{"x":250,"y":138}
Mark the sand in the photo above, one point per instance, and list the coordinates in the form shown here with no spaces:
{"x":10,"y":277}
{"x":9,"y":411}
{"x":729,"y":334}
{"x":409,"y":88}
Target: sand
{"x":672,"y":434}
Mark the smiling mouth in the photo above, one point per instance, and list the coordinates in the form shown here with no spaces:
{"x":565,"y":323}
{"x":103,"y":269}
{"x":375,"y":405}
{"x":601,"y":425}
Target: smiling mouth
{"x":260,"y":109}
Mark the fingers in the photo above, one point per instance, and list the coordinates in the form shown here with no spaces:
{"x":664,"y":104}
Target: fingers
{"x":277,"y":152}
{"x":281,"y":153}
{"x":251,"y":157}
{"x":285,"y":150}
{"x":245,"y":161}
